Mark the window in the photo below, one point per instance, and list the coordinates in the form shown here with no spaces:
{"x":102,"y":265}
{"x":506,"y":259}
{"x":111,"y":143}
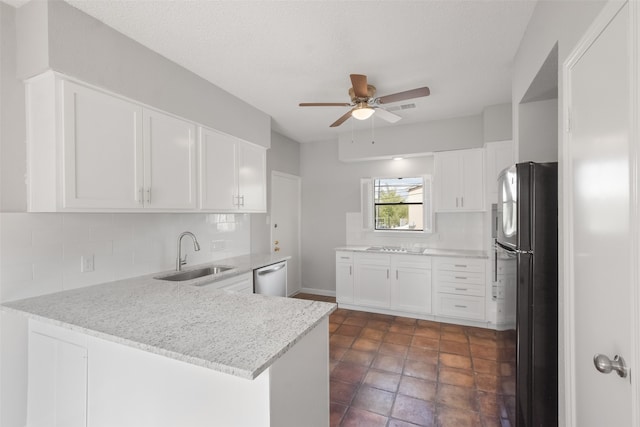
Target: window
{"x":399,"y":204}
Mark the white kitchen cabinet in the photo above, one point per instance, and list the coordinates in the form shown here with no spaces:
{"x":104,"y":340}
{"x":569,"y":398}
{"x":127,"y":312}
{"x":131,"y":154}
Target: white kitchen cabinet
{"x":57,"y":382}
{"x":232,"y":173}
{"x":241,"y":283}
{"x":411,"y":284}
{"x":460,"y":288}
{"x":498,"y":156}
{"x":169,"y":162}
{"x":459,"y":180}
{"x":372,"y":280}
{"x":89,"y":150}
{"x":344,"y":277}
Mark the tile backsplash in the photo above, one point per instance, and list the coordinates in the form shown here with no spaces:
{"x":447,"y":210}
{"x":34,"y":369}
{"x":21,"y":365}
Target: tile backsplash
{"x":42,"y":253}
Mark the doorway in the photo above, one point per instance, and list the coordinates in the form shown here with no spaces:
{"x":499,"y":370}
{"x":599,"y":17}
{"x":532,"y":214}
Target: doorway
{"x":285,"y":224}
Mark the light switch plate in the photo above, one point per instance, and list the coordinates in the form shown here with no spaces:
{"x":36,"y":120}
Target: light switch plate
{"x":87,"y":263}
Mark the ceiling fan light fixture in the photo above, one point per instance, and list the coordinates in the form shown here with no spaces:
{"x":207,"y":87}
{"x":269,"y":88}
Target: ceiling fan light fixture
{"x":362,"y":111}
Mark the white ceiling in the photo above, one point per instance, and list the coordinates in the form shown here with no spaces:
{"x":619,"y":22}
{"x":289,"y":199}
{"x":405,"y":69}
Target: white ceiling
{"x":275,"y":54}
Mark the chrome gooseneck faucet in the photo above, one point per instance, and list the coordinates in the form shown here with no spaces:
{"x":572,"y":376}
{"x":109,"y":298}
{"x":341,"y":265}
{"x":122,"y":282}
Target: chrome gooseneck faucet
{"x":196,"y":246}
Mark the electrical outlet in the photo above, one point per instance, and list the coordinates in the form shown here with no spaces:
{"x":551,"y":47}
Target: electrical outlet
{"x":217,"y":245}
{"x":87,"y":263}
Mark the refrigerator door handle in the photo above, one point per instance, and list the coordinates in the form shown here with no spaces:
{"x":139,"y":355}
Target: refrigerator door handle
{"x":513,"y":250}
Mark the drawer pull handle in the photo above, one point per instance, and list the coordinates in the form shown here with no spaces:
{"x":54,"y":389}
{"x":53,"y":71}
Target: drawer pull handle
{"x":344,"y":257}
{"x":460,"y":306}
{"x":460,"y":265}
{"x":461,"y":277}
{"x":462,"y":289}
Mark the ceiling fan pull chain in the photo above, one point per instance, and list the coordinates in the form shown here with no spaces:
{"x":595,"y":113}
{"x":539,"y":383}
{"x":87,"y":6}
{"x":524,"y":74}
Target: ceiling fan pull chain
{"x":373,"y":131}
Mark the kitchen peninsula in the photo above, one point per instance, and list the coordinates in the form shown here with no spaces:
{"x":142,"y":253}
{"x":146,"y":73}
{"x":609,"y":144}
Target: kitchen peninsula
{"x":147,"y":352}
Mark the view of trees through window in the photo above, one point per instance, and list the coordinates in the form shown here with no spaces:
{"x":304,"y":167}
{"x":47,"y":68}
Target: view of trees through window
{"x":398,"y":204}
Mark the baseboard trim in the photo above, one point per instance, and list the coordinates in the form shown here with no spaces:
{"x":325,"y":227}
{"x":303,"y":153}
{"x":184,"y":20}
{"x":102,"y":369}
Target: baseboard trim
{"x":314,"y":291}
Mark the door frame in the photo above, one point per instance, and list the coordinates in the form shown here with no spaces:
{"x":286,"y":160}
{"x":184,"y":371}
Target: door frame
{"x":566,"y":373}
{"x":298,"y":180}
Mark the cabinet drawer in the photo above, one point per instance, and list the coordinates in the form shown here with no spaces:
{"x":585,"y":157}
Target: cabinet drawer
{"x":344,"y":257}
{"x":461,"y":277}
{"x":373,"y":259}
{"x":466,"y":307}
{"x":456,"y":289}
{"x":476,"y":265}
{"x":412,"y":261}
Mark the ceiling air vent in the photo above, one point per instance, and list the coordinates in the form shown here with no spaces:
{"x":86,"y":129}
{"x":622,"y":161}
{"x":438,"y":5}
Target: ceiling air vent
{"x":402,"y":107}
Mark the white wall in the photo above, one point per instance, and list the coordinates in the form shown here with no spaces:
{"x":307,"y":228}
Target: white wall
{"x":422,"y":138}
{"x":538,"y":131}
{"x":561,"y":22}
{"x":497,"y":124}
{"x":13,"y":153}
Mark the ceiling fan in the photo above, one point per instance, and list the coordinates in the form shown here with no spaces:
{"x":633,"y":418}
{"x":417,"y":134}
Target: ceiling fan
{"x":364,"y":103}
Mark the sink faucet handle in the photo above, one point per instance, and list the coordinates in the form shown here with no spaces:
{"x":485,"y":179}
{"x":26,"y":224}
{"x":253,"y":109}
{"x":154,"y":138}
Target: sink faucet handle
{"x":183,"y":261}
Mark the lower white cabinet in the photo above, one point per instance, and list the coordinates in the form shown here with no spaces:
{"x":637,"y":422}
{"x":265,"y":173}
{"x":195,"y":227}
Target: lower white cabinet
{"x":57,"y":383}
{"x":446,"y":289}
{"x":372,"y":284}
{"x":399,"y":283}
{"x":242,"y":283}
{"x":461,"y":288}
{"x":411,"y":283}
{"x":344,"y":277}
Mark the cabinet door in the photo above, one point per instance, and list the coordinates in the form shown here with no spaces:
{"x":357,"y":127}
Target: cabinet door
{"x":242,"y":284}
{"x":498,"y":156}
{"x":344,"y":282}
{"x":372,"y":285}
{"x":448,"y":181}
{"x":472,"y":194}
{"x":170,"y":162}
{"x":411,"y":290}
{"x":57,"y":391}
{"x":102,"y":145}
{"x":252,"y":177}
{"x":218,"y":171}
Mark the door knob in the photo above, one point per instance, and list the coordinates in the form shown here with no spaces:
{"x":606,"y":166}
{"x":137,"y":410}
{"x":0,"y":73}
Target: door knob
{"x":276,"y":249}
{"x":276,"y":242}
{"x":606,"y":365}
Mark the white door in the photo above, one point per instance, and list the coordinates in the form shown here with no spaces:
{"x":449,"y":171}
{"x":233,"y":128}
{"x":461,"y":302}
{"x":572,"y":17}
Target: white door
{"x":599,"y":248}
{"x":285,"y":224}
{"x":170,"y":162}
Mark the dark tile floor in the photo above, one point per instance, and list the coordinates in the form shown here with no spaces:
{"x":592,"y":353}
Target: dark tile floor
{"x":398,"y":371}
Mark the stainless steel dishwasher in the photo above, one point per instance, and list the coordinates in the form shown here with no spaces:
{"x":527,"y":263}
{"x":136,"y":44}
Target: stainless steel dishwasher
{"x":271,"y":280}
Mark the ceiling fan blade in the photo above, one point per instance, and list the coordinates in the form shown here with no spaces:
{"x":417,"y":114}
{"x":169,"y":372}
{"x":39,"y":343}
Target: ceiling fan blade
{"x":386,"y":115}
{"x":359,"y":83}
{"x":401,"y":96}
{"x":324,"y":104}
{"x":341,"y":120}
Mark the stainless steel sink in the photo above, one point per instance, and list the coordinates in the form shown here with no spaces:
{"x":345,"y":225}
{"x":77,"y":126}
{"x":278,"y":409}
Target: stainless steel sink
{"x":194,"y":274}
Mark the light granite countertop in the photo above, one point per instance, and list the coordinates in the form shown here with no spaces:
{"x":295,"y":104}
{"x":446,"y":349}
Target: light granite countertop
{"x":454,"y":253}
{"x":235,"y":333}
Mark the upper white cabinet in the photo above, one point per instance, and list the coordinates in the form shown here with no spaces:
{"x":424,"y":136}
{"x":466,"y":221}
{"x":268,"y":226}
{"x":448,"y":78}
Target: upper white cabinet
{"x":169,"y":162}
{"x":459,"y":180}
{"x":102,"y":147}
{"x":232,"y":173}
{"x":498,"y":156}
{"x":344,"y":277}
{"x":90,"y":150}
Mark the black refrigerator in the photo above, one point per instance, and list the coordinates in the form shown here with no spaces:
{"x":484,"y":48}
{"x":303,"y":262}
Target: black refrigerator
{"x":528,"y":229}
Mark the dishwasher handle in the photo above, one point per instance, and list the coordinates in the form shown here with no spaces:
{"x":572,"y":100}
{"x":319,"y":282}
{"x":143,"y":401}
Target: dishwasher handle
{"x":271,"y":270}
